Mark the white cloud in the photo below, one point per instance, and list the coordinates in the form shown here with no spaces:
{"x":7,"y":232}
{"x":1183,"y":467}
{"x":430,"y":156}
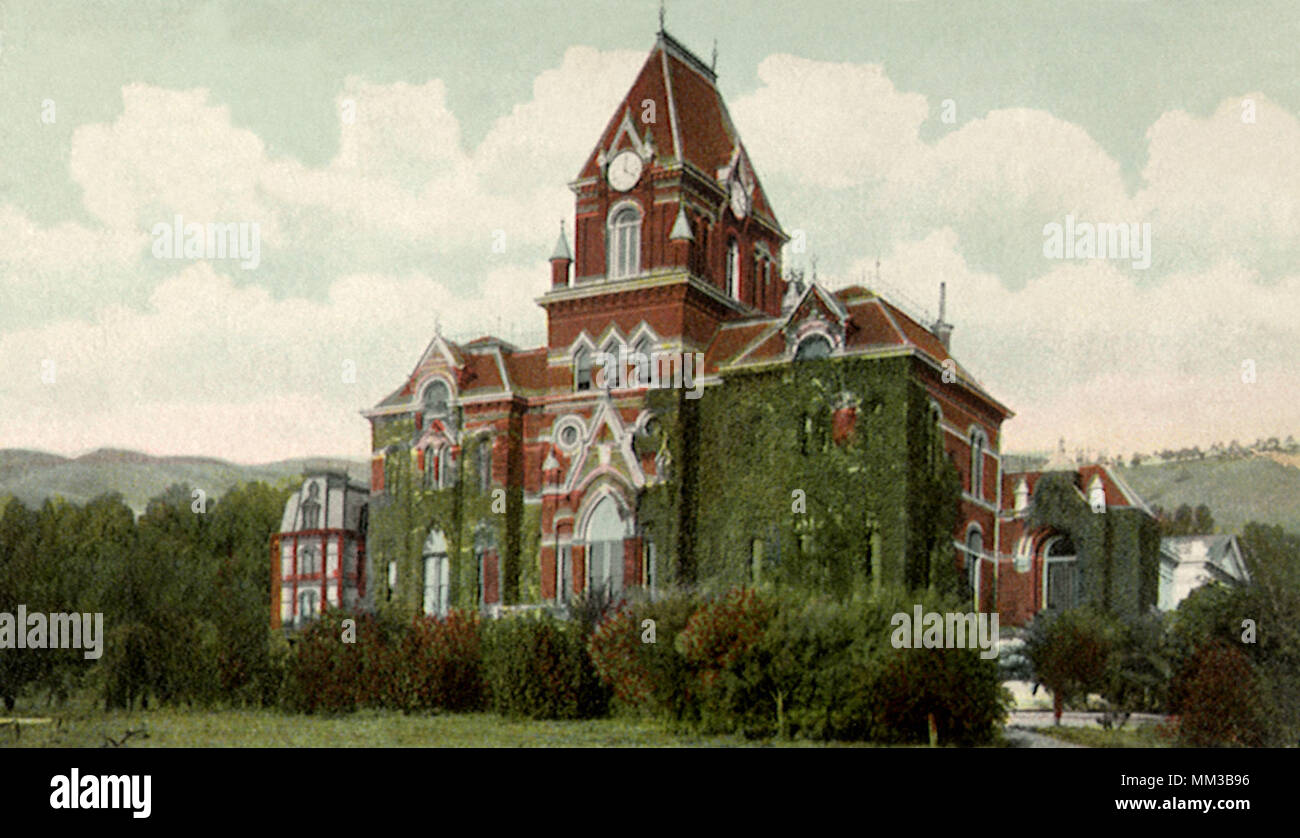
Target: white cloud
{"x":205,"y":363}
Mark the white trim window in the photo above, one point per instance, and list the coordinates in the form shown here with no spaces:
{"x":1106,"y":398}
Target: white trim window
{"x":624,"y":242}
{"x":605,"y":534}
{"x":564,"y":573}
{"x":430,"y":468}
{"x":582,"y":369}
{"x":974,"y":549}
{"x":445,"y":475}
{"x":641,"y":353}
{"x":733,"y":269}
{"x":979,"y":444}
{"x":1062,"y":581}
{"x":308,"y":605}
{"x":437,"y":584}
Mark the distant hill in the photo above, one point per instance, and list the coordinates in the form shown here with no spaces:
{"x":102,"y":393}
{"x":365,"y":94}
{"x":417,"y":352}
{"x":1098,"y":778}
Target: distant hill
{"x":1237,"y":490}
{"x":33,"y":476}
{"x":1260,"y":486}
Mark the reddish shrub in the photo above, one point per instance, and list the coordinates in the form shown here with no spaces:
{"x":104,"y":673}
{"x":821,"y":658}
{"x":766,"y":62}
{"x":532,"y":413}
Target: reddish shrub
{"x":1219,"y":699}
{"x":442,"y":663}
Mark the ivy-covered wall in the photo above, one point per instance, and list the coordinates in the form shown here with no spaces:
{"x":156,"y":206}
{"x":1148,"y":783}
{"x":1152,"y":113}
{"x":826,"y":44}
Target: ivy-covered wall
{"x":1118,"y":550}
{"x":405,"y":512}
{"x":760,"y":492}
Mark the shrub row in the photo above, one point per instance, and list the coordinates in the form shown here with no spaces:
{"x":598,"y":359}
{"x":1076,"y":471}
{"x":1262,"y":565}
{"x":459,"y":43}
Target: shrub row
{"x":739,"y":663}
{"x":530,"y":666}
{"x":811,"y":668}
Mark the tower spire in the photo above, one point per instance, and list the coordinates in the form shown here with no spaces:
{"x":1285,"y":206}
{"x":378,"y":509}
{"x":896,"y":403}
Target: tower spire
{"x":661,"y":17}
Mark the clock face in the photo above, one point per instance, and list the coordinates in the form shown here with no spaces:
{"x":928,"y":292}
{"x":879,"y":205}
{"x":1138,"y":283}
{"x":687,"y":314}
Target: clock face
{"x":739,"y":199}
{"x":624,"y":170}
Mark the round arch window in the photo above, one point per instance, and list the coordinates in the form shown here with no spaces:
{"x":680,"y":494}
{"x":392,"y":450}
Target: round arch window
{"x":813,"y":347}
{"x":437,"y":397}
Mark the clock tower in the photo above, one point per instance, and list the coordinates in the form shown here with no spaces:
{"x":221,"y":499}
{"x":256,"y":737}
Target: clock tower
{"x":674,"y":234}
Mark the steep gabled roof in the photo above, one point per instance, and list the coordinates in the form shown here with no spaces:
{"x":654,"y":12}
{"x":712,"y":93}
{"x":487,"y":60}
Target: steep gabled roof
{"x":695,"y":130}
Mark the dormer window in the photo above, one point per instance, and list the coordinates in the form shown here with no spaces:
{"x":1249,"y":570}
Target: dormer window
{"x":733,"y":269}
{"x":582,"y":369}
{"x":813,"y":347}
{"x":437,"y":398}
{"x":624,"y":243}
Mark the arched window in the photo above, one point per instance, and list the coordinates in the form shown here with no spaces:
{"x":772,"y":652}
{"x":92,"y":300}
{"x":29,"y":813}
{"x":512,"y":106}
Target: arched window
{"x":390,"y":473}
{"x":1062,"y":581}
{"x":582,"y":369}
{"x":978,"y":445}
{"x":936,"y":427}
{"x":437,"y":574}
{"x":430,"y":468}
{"x":311,"y":507}
{"x":624,"y":243}
{"x":308,"y":605}
{"x":733,"y":269}
{"x":484,"y":460}
{"x":564,"y":574}
{"x":974,"y":549}
{"x":445,"y":476}
{"x":609,"y":375}
{"x":437,"y":398}
{"x":605,"y":532}
{"x":812,"y":347}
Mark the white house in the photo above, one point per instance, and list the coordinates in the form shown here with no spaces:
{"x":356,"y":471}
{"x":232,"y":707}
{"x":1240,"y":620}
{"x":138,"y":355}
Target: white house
{"x":1190,"y":561}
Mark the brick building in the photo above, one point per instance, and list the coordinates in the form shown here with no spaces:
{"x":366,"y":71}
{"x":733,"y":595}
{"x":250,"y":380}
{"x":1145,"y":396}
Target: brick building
{"x":698,"y":415}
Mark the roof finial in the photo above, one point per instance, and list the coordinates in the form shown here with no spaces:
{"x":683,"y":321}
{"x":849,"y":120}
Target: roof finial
{"x":877,"y":269}
{"x":714,"y":66}
{"x":661,"y":17}
{"x":813,"y":260}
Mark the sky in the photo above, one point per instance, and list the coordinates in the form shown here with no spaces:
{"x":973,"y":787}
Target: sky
{"x":406,"y":165}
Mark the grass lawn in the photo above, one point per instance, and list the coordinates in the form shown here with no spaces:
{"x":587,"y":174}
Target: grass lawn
{"x":177,"y":728}
{"x":1142,"y":736}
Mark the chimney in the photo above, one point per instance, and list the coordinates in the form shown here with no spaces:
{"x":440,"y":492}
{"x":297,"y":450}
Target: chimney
{"x":942,"y":329}
{"x":561,"y":258}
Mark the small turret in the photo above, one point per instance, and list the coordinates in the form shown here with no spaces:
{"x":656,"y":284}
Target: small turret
{"x":561,"y":259}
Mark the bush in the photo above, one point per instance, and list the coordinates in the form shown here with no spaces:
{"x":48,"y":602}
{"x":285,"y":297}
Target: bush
{"x":322,"y":673}
{"x":441,"y":662}
{"x":812,"y":668}
{"x":1071,"y":652}
{"x":538,"y":668}
{"x":955,"y":688}
{"x":1140,"y":666}
{"x":1219,"y":699}
{"x":802,"y":678}
{"x":650,"y":678}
